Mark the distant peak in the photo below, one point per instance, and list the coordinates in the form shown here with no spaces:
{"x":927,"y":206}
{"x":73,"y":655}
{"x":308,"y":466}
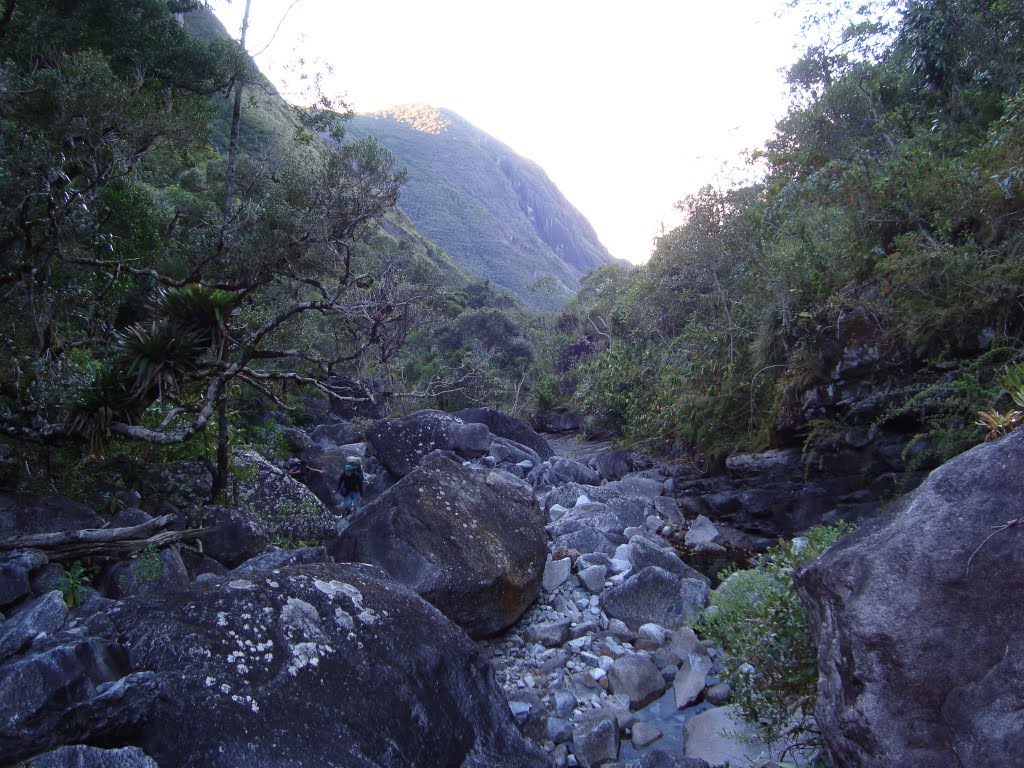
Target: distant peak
{"x":419,"y":117}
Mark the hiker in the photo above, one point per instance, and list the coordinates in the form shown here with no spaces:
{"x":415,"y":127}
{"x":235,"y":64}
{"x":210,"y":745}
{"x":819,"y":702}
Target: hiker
{"x":350,"y":485}
{"x":300,"y":469}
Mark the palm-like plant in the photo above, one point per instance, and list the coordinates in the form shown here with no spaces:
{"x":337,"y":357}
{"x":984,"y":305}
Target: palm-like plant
{"x":158,"y":356}
{"x":199,"y":310}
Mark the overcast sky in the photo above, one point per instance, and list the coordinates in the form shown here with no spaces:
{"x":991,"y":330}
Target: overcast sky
{"x":628,"y":106}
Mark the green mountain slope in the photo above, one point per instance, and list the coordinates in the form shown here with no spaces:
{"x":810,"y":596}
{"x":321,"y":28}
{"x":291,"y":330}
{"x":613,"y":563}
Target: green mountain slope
{"x":496,"y":213}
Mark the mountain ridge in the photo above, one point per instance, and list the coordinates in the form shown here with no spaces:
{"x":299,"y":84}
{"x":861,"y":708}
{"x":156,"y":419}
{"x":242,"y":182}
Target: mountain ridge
{"x":495,"y":212}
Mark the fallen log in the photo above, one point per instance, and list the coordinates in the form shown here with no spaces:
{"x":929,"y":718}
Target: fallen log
{"x":103,"y":542}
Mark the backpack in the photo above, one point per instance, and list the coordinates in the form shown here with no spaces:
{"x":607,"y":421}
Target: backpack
{"x":354,"y":465}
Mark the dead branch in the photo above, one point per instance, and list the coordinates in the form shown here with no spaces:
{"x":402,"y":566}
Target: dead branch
{"x":91,"y":542}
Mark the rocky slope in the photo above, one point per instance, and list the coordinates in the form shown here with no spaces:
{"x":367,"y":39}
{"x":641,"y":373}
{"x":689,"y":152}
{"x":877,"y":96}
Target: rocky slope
{"x":495,"y":212}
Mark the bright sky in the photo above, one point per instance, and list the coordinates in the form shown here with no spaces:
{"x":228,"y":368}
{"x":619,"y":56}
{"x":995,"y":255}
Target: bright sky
{"x":628,"y":106}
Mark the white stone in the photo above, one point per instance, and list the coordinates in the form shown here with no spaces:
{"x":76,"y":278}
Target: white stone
{"x":702,"y":531}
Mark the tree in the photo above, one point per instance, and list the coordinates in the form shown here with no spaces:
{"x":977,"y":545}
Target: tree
{"x":147,"y":288}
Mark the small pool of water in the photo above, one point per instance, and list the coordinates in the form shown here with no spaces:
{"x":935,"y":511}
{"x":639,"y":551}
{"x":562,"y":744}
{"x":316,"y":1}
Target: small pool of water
{"x":664,"y":716}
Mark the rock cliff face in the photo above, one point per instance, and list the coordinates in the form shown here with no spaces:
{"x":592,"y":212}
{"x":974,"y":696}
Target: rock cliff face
{"x":918,"y":622}
{"x":495,"y":212}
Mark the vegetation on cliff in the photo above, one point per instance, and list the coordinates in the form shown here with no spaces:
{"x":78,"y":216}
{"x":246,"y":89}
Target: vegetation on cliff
{"x":886,"y":235}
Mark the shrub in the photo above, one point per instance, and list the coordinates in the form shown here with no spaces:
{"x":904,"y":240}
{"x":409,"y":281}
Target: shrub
{"x":771,"y":663}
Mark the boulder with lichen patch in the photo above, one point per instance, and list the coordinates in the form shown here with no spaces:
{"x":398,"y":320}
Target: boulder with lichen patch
{"x":401,"y":443}
{"x":325,"y":665}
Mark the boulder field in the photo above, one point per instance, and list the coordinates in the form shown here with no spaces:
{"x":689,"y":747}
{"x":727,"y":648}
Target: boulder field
{"x":353,"y":645}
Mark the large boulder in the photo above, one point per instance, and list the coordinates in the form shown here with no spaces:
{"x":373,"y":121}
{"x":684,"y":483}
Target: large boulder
{"x":469,"y":541}
{"x":918,"y":620}
{"x":290,"y":511}
{"x":503,"y":425}
{"x":559,"y":471}
{"x":325,"y":665}
{"x":401,"y":443}
{"x":26,"y":514}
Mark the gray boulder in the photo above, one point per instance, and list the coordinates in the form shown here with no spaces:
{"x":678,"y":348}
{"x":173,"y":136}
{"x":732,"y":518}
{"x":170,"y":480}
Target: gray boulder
{"x":325,"y":665}
{"x":235,"y":537}
{"x":471,"y":542}
{"x":655,"y":595}
{"x":918,"y":621}
{"x":644,"y":553}
{"x":615,"y":465}
{"x":70,"y":687}
{"x":401,"y":443}
{"x":596,"y":739}
{"x":27,"y":514}
{"x":558,"y":471}
{"x":42,"y":617}
{"x":503,"y":425}
{"x":636,"y":676}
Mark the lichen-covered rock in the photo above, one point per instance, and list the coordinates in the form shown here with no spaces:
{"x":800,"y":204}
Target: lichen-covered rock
{"x":314,"y":665}
{"x":471,"y":542}
{"x":289,"y":510}
{"x":401,"y":443}
{"x":920,"y":656}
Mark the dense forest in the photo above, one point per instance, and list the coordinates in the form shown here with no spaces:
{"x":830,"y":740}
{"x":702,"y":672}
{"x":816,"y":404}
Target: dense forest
{"x":183,"y":252}
{"x":886,"y":233}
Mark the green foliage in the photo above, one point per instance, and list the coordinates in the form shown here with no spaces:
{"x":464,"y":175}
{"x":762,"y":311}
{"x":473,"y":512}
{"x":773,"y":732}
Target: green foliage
{"x":74,"y":581}
{"x":148,"y":565}
{"x":891,"y":191}
{"x":948,"y":406}
{"x":771,"y":663}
